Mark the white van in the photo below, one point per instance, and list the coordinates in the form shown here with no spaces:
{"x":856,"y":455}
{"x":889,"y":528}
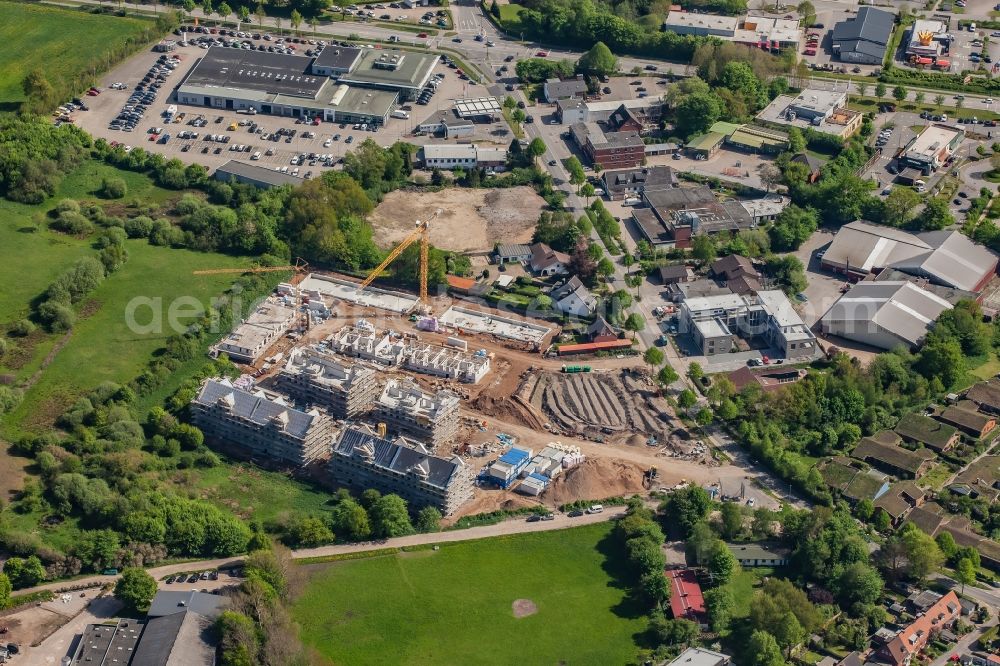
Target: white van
{"x":920,"y":185}
{"x":255,"y":156}
{"x":399,"y":113}
{"x":595,"y":508}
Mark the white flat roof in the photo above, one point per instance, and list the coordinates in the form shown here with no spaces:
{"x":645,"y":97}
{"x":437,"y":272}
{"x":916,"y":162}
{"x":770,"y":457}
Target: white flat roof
{"x":932,"y":140}
{"x":692,"y":20}
{"x":821,"y":101}
{"x":721,"y":302}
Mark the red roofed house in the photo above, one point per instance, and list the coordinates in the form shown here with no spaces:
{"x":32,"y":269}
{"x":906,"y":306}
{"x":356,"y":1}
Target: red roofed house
{"x":686,"y":600}
{"x":910,"y":640}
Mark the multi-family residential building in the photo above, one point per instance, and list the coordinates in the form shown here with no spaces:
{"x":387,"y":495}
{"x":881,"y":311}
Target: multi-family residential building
{"x":316,"y":376}
{"x":911,"y":639}
{"x":362,"y":459}
{"x":407,"y":409}
{"x":260,"y":330}
{"x":260,"y":425}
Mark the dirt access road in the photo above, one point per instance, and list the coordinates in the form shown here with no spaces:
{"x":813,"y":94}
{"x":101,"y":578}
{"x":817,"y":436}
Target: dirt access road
{"x":512,"y":526}
{"x":470,"y":219}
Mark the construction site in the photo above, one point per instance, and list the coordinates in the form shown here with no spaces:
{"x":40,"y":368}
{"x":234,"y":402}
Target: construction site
{"x":470,"y":385}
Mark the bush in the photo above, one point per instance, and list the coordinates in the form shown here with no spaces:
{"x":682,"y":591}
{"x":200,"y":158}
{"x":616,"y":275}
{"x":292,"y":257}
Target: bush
{"x":58,"y":316}
{"x":139,"y":227}
{"x":113,"y":188}
{"x":22,"y":328}
{"x":73,"y":223}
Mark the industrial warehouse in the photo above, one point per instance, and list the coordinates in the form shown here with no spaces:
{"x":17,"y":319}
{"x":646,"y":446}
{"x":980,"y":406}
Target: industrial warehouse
{"x":341,"y":84}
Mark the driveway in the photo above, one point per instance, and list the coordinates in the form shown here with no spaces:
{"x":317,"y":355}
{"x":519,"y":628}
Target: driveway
{"x":61,"y":643}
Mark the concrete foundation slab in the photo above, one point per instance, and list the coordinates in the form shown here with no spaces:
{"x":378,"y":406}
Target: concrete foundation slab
{"x":394,"y":301}
{"x":502,"y":327}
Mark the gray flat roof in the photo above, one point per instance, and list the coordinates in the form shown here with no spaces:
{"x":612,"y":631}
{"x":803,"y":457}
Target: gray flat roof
{"x":169,"y":602}
{"x":365,"y":101}
{"x":338,"y":57}
{"x":264,"y":174}
{"x":240,"y":69}
{"x":390,"y":67}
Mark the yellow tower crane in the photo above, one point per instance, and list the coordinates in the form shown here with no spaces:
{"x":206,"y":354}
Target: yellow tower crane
{"x":420,"y":232}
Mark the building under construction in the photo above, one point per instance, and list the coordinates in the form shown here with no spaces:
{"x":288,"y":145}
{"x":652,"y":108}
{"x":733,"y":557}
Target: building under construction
{"x":364,"y":341}
{"x":253,"y":336}
{"x":362,"y":459}
{"x":261,"y":425}
{"x":318,"y":377}
{"x":406,"y":409}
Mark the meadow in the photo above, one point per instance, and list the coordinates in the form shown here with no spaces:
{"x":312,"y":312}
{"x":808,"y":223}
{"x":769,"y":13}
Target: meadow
{"x":63,"y":43}
{"x":454,"y":605}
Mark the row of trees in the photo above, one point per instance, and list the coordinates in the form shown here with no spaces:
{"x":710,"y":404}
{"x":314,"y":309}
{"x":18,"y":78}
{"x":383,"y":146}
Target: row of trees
{"x":372,"y":515}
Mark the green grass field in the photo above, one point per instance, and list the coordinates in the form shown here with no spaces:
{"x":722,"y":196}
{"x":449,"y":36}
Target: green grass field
{"x":253,"y":493}
{"x":61,"y":42}
{"x":453,"y":606}
{"x":101,"y":346}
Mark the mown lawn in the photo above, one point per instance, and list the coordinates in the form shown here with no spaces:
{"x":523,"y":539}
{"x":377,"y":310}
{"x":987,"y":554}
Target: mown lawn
{"x":454,"y":606}
{"x":60,"y":42}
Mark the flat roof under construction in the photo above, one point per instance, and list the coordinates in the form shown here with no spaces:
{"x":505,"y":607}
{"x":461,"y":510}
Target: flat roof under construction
{"x":345,"y":290}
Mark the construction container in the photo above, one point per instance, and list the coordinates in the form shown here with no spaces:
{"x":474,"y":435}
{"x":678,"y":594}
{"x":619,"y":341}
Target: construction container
{"x":573,"y":369}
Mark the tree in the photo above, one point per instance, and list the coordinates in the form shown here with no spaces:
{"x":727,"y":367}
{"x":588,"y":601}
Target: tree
{"x":732,"y":520}
{"x":792,"y":228}
{"x":653,"y":357}
{"x":309,"y":532}
{"x":350,"y":521}
{"x":428,"y":520}
{"x":807,"y":11}
{"x":702,"y":248}
{"x":897,"y":210}
{"x":965,"y":573}
{"x":244,"y":13}
{"x":946,"y":542}
{"x":587,"y":191}
{"x":673,"y":632}
{"x":295,"y":19}
{"x":37,"y":90}
{"x":719,"y":603}
{"x":224,"y":10}
{"x":859,"y":583}
{"x":598,"y":61}
{"x":5,"y":589}
{"x":922,"y":552}
{"x":880,"y":89}
{"x":605,"y":268}
{"x":24,"y":572}
{"x":899,"y":93}
{"x":770,"y":175}
{"x":261,"y":14}
{"x":136,"y":588}
{"x":688,"y":507}
{"x":655,"y":587}
{"x":389,"y":517}
{"x":722,"y":564}
{"x":938,"y":100}
{"x":696,"y":113}
{"x":919,"y":98}
{"x":667,"y":376}
{"x":206,"y":7}
{"x":936,"y":215}
{"x":536,"y":148}
{"x":763,"y":650}
{"x":862,"y":88}
{"x":687,"y":399}
{"x":635,"y":322}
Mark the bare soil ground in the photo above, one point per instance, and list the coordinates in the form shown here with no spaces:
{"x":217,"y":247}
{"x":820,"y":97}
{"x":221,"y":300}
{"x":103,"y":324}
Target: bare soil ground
{"x":596,"y":479}
{"x":470,"y":219}
{"x":597,"y":405}
{"x":523,"y":607}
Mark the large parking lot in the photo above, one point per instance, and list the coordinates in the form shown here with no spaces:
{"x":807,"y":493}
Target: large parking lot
{"x":276,"y":151}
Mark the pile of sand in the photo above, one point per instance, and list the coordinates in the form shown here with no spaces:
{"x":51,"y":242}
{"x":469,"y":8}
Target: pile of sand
{"x":596,"y":479}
